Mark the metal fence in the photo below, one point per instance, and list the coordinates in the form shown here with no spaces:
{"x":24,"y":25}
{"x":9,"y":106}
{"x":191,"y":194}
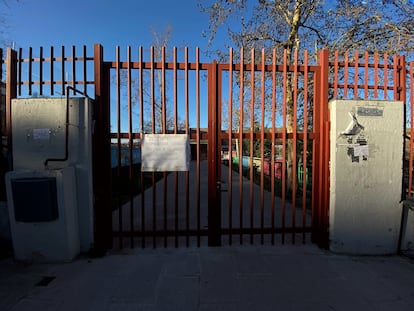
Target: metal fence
{"x":270,"y":107}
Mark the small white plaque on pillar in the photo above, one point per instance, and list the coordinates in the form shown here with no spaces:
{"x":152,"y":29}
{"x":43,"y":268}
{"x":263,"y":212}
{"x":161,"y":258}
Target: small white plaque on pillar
{"x":165,"y":152}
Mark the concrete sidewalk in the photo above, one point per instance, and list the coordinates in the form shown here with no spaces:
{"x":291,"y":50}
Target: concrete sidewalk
{"x":238,"y":278}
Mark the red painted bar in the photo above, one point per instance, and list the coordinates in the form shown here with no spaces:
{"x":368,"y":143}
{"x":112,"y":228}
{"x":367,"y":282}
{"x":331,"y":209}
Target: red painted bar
{"x":385,"y":76}
{"x":272,"y":171}
{"x":141,"y":124}
{"x":366,"y":76}
{"x":85,"y":76}
{"x":240,"y":154}
{"x":346,"y":75}
{"x":131,"y":145}
{"x":395,"y":70}
{"x":19,"y":72}
{"x":262,"y":139}
{"x":63,"y":70}
{"x":324,"y":160}
{"x":187,"y":174}
{"x":230,"y":138}
{"x":30,"y":71}
{"x":336,"y":70}
{"x":118,"y":123}
{"x":164,"y":130}
{"x":154,"y":186}
{"x":284,"y":141}
{"x":356,"y":75}
{"x":294,"y":149}
{"x":410,"y":165}
{"x":375,"y":75}
{"x":74,"y":69}
{"x":41,"y":71}
{"x":198,"y":146}
{"x":305,"y":142}
{"x":175,"y":132}
{"x":252,"y":98}
{"x":214,"y":210}
{"x":52,"y":80}
{"x":11,"y":81}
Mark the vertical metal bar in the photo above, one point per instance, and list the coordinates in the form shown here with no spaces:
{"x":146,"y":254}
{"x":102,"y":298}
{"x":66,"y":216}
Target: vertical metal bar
{"x":2,"y":104}
{"x":410,"y":164}
{"x":375,"y":75}
{"x":294,"y":149}
{"x":154,"y":187}
{"x":262,"y":141}
{"x":214,"y":210}
{"x":252,"y":98}
{"x":324,"y":154}
{"x":102,"y":153}
{"x":395,"y":70}
{"x":317,"y":182}
{"x":336,"y":72}
{"x":52,"y":79}
{"x":118,"y":122}
{"x":272,"y":169}
{"x":164,"y":131}
{"x":198,"y":146}
{"x":3,"y":132}
{"x":366,"y":75}
{"x":305,"y":143}
{"x":356,"y":75}
{"x":315,"y":155}
{"x":41,"y":71}
{"x":402,"y":86}
{"x":230,"y":132}
{"x":131,"y":146}
{"x":141,"y":114}
{"x":30,"y":70}
{"x":63,"y":59}
{"x":385,"y":76}
{"x":175,"y":132}
{"x":346,"y":75}
{"x":284,"y":141}
{"x":74,"y":69}
{"x":19,"y":73}
{"x":187,"y":130}
{"x":240,"y":153}
{"x":163,"y":96}
{"x":11,"y":92}
{"x":85,"y":75}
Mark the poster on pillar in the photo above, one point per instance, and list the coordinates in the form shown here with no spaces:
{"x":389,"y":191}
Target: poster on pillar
{"x":165,"y":152}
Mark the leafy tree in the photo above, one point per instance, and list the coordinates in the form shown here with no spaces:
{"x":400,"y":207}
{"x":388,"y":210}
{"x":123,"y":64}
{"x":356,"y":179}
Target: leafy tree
{"x":376,"y":25}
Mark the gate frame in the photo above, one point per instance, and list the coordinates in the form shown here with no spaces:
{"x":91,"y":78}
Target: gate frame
{"x":320,"y":193}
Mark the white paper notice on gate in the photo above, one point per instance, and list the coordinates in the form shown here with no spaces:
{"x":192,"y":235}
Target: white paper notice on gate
{"x":165,"y":152}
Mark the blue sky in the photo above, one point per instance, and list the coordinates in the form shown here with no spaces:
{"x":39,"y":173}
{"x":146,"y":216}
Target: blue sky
{"x":35,"y":23}
{"x":109,"y":22}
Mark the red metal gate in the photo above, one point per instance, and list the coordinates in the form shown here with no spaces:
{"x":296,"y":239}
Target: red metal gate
{"x":258,"y":127}
{"x":253,"y":112}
